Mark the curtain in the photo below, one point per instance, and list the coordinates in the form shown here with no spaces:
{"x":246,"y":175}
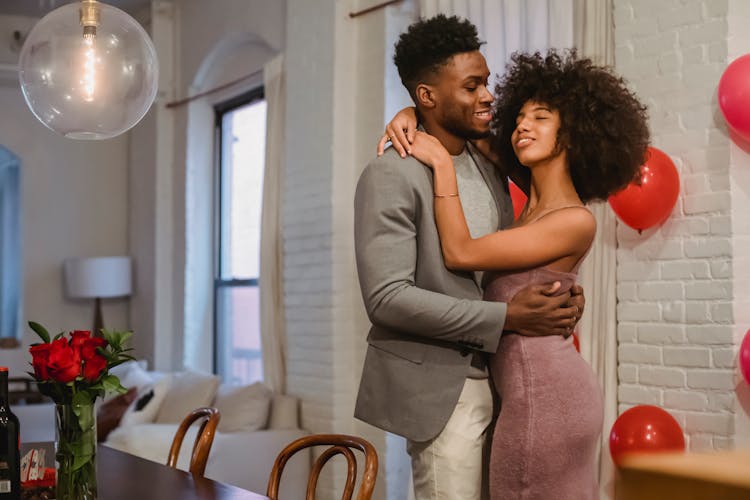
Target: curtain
{"x":10,"y":245}
{"x":511,"y":25}
{"x":273,"y":330}
{"x":598,"y":327}
{"x":536,"y":25}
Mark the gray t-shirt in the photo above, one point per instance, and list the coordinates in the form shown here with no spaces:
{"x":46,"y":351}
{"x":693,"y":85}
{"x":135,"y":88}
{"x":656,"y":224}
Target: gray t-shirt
{"x":482,"y":218}
{"x":479,"y":207}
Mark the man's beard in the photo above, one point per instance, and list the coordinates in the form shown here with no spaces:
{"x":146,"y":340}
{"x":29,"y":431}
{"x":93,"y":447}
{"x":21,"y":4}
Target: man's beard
{"x":467,"y":133}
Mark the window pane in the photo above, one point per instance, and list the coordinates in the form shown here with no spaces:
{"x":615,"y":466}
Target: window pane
{"x":10,"y":245}
{"x":238,"y":342}
{"x":243,"y":160}
{"x":243,"y":139}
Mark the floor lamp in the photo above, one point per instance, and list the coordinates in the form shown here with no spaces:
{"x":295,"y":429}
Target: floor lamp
{"x":98,"y":278}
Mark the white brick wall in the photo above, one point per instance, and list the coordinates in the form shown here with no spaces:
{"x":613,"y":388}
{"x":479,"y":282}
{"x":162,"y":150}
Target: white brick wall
{"x":676,"y":285}
{"x":737,"y":44}
{"x":329,"y":141}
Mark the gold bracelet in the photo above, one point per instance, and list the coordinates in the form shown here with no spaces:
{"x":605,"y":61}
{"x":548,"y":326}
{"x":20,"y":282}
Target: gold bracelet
{"x":451,"y":195}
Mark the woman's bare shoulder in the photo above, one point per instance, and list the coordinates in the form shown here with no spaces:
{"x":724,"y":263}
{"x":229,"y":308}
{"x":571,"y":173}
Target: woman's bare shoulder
{"x":577,"y":221}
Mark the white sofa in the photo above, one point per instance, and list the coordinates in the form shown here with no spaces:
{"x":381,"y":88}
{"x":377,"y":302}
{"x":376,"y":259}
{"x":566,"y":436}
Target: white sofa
{"x":238,"y":456}
{"x":243,"y":459}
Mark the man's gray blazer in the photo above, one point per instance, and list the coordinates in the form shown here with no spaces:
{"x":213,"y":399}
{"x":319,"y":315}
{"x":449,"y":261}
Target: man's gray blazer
{"x":427,"y":321}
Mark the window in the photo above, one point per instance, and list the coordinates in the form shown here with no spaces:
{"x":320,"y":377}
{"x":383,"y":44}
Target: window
{"x":10,"y":248}
{"x":241,"y":135}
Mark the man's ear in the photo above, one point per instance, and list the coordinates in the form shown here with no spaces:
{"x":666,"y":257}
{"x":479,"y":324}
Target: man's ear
{"x":425,"y":96}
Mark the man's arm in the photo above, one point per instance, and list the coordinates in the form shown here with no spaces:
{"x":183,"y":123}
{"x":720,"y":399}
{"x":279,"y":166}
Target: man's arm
{"x":385,"y":214}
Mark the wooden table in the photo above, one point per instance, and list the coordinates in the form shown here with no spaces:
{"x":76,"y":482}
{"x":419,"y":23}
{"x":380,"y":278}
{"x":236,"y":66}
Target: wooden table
{"x":723,"y":475}
{"x":121,"y":476}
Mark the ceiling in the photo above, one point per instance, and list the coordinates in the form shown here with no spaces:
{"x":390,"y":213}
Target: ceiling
{"x":39,"y":8}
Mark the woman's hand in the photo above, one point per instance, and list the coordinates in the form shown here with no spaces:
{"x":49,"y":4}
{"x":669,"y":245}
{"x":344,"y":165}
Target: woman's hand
{"x":429,"y":151}
{"x":400,"y":132}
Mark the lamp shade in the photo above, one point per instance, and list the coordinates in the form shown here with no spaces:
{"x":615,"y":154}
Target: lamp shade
{"x":98,"y":277}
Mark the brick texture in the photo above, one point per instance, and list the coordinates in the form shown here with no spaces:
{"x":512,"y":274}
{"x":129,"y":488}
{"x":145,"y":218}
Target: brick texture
{"x":676,"y":287}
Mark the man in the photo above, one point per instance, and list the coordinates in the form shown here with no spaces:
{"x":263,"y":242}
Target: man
{"x":424,"y":375}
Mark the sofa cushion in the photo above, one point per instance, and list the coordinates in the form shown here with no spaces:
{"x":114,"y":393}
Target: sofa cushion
{"x":146,"y":406}
{"x":284,"y":412}
{"x":243,"y":408}
{"x":131,"y":374}
{"x":188,"y":391}
{"x":152,"y":441}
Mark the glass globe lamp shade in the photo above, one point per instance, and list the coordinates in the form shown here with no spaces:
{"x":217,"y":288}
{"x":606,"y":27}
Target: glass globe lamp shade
{"x":84,"y":82}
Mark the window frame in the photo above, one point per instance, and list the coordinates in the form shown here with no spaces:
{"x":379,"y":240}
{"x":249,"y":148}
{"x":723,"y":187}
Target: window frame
{"x":221,"y":109}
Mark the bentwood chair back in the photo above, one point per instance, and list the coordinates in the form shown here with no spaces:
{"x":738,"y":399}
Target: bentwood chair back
{"x":203,"y":440}
{"x":340,"y":444}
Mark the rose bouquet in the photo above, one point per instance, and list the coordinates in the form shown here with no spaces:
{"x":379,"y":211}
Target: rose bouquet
{"x":73,"y":370}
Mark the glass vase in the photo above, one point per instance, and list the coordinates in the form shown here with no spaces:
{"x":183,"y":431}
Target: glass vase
{"x":75,"y":451}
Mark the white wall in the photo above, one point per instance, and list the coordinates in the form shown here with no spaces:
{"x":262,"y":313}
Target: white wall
{"x":74,"y":204}
{"x":738,"y":44}
{"x":679,"y":285}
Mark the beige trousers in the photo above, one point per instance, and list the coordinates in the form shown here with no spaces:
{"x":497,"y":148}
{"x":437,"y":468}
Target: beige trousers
{"x":451,"y":466}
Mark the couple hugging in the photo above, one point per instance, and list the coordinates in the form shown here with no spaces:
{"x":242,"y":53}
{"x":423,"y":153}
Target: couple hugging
{"x":469,"y":355}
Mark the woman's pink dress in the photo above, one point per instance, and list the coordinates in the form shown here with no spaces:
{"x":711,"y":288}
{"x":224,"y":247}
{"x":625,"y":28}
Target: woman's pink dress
{"x":545,"y":439}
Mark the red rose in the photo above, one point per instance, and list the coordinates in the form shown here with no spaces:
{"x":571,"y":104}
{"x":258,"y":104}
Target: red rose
{"x":93,"y":362}
{"x":39,"y":359}
{"x":64,"y":362}
{"x":93,"y":367}
{"x":77,"y":338}
{"x":90,"y":346}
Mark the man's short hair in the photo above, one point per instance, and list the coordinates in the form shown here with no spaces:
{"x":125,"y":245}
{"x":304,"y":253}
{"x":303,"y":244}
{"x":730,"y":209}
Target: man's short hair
{"x":428,"y":44}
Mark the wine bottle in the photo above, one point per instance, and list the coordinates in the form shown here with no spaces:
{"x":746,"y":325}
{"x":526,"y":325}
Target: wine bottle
{"x":10,"y":451}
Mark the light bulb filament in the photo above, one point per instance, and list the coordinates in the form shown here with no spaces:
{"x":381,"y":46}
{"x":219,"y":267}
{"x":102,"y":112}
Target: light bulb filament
{"x":89,"y":17}
{"x":89,"y":71}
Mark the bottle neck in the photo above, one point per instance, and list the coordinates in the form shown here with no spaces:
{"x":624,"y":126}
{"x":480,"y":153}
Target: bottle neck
{"x":3,"y":388}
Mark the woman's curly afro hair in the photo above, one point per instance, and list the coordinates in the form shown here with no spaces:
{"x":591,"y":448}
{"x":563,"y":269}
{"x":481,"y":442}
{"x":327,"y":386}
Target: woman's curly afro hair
{"x":603,"y":125}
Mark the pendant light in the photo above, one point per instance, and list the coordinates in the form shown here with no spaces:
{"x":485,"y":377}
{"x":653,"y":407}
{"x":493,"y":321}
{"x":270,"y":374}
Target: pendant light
{"x":88,"y":70}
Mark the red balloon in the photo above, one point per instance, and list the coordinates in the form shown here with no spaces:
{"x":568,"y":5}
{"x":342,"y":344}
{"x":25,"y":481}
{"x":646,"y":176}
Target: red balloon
{"x":649,"y":200}
{"x":518,"y":198}
{"x":734,"y":96}
{"x":744,"y":357}
{"x":644,"y":428}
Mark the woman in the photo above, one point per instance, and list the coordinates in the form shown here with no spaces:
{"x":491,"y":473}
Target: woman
{"x":583,"y":136}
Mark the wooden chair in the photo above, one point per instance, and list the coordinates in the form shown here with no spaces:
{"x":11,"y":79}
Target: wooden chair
{"x":339,"y":444}
{"x":203,"y":440}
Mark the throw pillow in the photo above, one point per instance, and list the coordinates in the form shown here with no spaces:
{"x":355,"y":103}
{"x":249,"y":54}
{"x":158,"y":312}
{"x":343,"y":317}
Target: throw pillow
{"x":243,"y":408}
{"x":145,"y":408}
{"x":110,"y":413}
{"x":188,"y":391}
{"x":131,"y":374}
{"x":137,"y":377}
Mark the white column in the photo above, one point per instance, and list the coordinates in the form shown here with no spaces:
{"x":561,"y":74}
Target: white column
{"x":151,"y":211}
{"x":168,"y":345}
